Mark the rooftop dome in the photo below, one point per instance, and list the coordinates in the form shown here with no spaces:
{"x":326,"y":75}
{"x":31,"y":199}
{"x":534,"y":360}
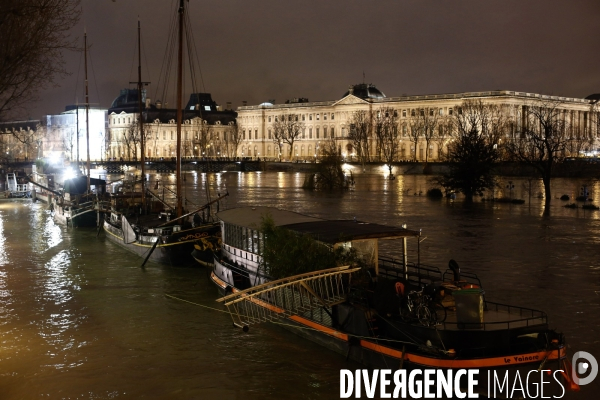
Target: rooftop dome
{"x":365,"y":91}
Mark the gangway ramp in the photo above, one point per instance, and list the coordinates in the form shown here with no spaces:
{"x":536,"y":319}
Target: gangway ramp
{"x":289,"y":296}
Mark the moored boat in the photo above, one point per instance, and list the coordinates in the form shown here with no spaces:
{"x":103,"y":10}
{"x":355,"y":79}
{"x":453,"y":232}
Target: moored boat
{"x":76,"y":207}
{"x":381,"y":311}
{"x":142,"y":222}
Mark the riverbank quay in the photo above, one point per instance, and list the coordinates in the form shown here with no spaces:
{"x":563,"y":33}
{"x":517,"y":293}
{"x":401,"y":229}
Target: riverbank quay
{"x":571,"y":168}
{"x":576,"y":168}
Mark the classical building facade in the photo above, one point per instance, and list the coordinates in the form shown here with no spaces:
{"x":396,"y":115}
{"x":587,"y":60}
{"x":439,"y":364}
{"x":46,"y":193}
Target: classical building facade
{"x":206,"y":128}
{"x":327,"y":120}
{"x":20,"y":140}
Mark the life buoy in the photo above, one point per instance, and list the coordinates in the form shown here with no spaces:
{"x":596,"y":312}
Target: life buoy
{"x":400,"y":288}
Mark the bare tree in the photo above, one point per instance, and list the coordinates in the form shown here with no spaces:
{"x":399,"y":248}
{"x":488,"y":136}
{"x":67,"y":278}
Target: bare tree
{"x":443,"y":134}
{"x":233,"y":135}
{"x":422,"y":124}
{"x":69,"y":140}
{"x":131,"y":139}
{"x":287,"y":128}
{"x":415,"y":129}
{"x":278,"y":135}
{"x":430,"y":117}
{"x":34,"y":33}
{"x":205,"y":136}
{"x":386,"y":128}
{"x":544,"y":138}
{"x":360,"y":132}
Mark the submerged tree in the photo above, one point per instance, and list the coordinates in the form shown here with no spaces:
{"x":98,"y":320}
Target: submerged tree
{"x":330,"y":174}
{"x":34,"y":33}
{"x":545,"y":138}
{"x":473,"y":153}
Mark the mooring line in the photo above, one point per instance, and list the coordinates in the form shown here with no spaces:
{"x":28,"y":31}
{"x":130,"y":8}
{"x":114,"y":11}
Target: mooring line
{"x":196,"y":304}
{"x":281,"y":323}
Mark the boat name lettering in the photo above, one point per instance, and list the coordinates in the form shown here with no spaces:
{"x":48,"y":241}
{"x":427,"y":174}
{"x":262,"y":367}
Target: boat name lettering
{"x":522,"y":359}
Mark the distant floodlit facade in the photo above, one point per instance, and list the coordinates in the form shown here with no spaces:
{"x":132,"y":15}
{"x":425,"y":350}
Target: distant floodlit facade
{"x":327,"y":120}
{"x":206,"y":129}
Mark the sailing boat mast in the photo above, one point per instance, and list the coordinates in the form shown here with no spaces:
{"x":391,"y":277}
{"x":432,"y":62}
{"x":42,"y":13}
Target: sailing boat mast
{"x":179,"y":105}
{"x":142,"y":148}
{"x":87,"y":109}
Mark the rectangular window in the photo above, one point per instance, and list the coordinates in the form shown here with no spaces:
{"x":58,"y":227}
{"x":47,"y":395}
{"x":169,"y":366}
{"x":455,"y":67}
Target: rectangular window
{"x":172,"y":135}
{"x":256,"y":134}
{"x":310,"y":117}
{"x":270,"y":134}
{"x":333,"y":132}
{"x":303,"y":117}
{"x":324,"y":116}
{"x":403,"y":113}
{"x":310,"y":133}
{"x":304,"y":132}
{"x":324,"y":133}
{"x":318,"y":115}
{"x":332,"y":115}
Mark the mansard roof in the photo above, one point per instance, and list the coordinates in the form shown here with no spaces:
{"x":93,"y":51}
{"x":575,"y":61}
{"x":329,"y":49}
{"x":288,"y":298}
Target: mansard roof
{"x":365,"y":91}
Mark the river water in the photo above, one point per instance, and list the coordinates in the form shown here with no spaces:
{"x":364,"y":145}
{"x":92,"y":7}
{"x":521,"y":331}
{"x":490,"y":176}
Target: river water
{"x":80,"y":319}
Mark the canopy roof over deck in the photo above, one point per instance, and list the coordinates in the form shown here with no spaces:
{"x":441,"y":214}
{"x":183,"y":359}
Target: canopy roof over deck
{"x":327,"y":231}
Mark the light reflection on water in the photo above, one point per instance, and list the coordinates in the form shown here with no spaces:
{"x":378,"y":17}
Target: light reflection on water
{"x":79,"y":318}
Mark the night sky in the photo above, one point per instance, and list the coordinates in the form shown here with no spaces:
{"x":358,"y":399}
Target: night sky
{"x":256,"y":50}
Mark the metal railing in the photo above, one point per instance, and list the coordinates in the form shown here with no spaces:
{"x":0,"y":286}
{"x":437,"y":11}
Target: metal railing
{"x":285,"y":297}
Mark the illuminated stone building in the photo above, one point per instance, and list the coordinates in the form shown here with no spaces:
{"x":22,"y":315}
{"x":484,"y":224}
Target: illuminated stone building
{"x":205,"y":128}
{"x":326,"y":120}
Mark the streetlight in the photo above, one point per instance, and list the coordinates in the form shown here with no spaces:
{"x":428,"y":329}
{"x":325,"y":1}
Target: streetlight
{"x":510,"y":187}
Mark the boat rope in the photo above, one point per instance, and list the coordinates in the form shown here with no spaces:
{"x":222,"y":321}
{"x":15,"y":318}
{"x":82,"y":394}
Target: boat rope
{"x":196,"y":304}
{"x":414,"y":340}
{"x":288,"y":325}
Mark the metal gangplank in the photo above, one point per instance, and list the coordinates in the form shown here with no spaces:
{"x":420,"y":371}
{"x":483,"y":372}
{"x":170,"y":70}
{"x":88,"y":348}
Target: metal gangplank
{"x":286,"y":297}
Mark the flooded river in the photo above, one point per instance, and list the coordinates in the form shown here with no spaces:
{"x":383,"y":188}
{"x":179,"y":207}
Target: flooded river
{"x":80,"y":319}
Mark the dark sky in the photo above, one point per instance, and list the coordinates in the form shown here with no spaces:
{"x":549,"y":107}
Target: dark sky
{"x":256,"y":50}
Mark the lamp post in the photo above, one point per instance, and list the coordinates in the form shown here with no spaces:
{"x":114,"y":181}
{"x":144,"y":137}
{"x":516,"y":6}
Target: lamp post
{"x":510,"y":188}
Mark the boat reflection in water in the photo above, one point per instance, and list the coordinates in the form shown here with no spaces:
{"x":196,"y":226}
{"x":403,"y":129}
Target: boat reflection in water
{"x":404,"y":314}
